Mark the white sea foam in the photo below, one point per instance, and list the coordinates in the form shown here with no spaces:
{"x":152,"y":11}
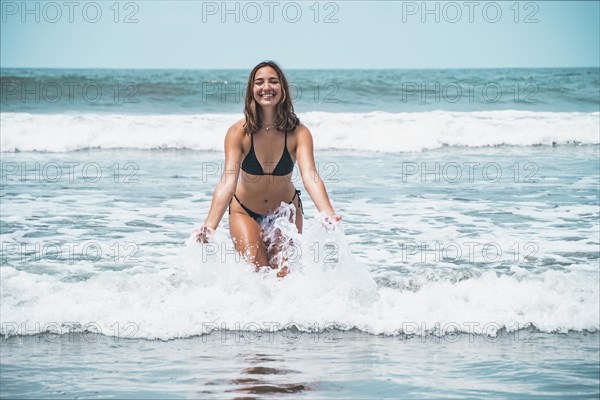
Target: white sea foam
{"x":176,"y":290}
{"x":375,"y":131}
{"x":206,"y":289}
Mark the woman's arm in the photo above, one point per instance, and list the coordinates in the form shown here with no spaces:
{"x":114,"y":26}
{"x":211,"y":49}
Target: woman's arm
{"x":226,"y":186}
{"x":310,"y":176}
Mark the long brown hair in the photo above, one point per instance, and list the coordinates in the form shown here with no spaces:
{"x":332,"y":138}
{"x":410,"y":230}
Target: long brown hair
{"x":285,"y":117}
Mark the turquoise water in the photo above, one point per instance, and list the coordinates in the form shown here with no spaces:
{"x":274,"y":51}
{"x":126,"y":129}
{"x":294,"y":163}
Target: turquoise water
{"x":465,"y":266}
{"x":532,"y":309}
{"x":157,"y":91}
{"x":340,"y":365}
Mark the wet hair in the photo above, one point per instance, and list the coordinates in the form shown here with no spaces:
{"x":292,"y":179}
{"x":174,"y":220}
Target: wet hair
{"x":285,"y":117}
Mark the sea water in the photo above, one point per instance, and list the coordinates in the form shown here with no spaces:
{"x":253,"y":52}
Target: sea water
{"x":466,"y":263}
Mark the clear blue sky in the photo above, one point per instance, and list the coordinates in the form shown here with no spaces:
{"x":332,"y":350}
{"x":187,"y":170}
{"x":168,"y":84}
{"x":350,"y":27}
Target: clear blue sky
{"x":360,"y":34}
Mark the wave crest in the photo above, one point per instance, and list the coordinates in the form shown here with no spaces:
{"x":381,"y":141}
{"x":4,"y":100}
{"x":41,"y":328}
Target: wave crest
{"x":375,"y":131}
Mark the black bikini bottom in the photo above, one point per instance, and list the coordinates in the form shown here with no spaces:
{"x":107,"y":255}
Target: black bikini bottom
{"x":259,"y":217}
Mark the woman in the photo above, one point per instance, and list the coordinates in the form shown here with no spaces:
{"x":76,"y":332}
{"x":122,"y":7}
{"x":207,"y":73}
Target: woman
{"x":264,"y":144}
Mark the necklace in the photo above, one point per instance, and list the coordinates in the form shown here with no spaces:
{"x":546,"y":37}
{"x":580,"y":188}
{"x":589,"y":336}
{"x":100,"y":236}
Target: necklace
{"x":268,"y":127}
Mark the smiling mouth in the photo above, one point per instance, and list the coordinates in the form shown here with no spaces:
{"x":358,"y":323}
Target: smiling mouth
{"x":267,"y":96}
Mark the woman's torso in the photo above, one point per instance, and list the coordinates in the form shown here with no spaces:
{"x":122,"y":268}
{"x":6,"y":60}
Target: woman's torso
{"x":273,"y":154}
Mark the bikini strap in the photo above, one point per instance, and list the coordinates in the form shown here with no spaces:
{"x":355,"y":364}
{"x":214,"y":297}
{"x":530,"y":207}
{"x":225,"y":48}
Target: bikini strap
{"x":298,"y":193}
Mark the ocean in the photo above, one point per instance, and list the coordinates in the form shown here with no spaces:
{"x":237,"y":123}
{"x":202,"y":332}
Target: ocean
{"x":465,"y":265}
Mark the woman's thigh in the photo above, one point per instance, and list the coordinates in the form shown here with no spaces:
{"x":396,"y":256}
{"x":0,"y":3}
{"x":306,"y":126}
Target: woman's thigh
{"x":278,"y":240}
{"x":246,"y":234}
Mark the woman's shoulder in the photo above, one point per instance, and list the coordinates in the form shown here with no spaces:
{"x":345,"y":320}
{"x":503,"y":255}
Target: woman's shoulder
{"x":236,"y":130}
{"x":238,"y":126}
{"x":301,"y":130}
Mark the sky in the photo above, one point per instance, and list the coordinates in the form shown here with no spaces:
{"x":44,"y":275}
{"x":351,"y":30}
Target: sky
{"x":299,"y":34}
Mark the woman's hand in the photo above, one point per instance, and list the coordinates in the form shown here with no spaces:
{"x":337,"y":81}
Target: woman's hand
{"x":330,"y":221}
{"x":203,"y":234}
{"x":283,"y":272}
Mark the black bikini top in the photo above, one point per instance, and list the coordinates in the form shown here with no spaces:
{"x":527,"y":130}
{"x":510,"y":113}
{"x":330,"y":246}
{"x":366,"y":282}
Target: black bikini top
{"x":251,"y":165}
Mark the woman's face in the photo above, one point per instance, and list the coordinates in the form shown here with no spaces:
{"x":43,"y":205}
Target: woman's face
{"x":267,"y":88}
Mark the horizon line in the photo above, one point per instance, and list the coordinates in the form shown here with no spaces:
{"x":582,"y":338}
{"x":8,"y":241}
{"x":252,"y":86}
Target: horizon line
{"x":294,"y":68}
